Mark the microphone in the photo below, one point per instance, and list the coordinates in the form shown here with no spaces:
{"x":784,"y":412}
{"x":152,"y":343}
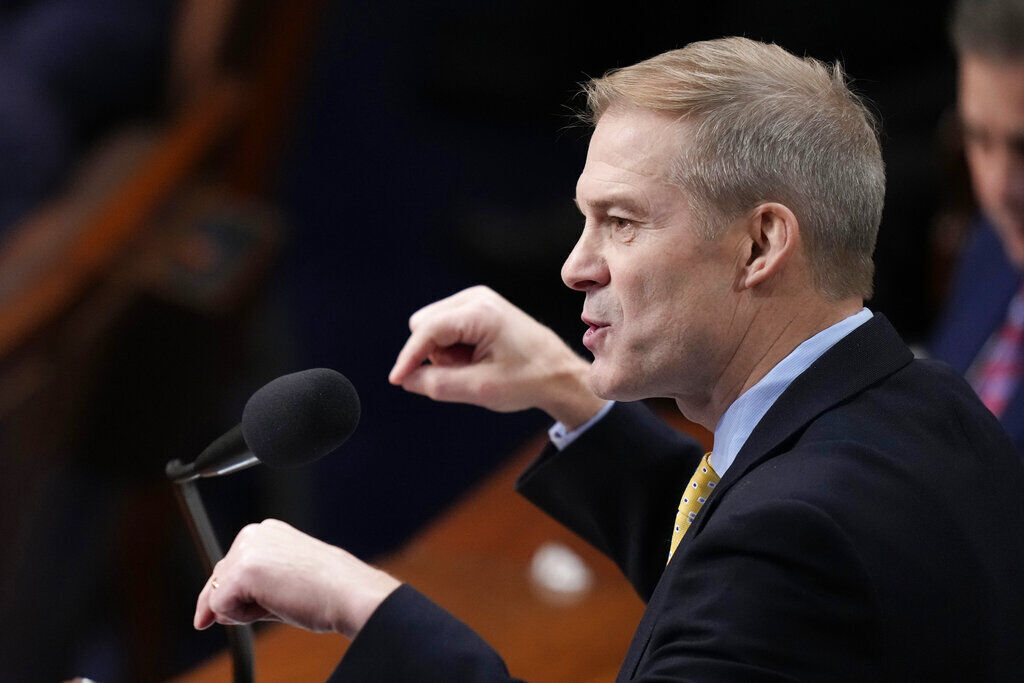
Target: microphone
{"x":292,"y":420}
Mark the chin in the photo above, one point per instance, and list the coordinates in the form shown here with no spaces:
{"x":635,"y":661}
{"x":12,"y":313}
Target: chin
{"x":600,"y":383}
{"x":614,"y":386}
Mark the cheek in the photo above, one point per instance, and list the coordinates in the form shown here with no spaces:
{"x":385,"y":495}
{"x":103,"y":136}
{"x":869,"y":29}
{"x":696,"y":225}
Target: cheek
{"x":654,"y":301}
{"x":667,"y":310}
{"x":980,"y":166}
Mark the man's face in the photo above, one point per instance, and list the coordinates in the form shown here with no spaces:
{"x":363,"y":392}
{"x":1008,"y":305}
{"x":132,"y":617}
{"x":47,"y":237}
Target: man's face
{"x":992,"y":111}
{"x":660,"y":304}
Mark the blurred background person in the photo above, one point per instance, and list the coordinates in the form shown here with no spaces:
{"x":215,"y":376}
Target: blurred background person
{"x":982,"y":328}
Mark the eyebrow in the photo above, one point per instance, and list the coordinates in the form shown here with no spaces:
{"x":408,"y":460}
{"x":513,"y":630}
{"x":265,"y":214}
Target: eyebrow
{"x":624,"y":203}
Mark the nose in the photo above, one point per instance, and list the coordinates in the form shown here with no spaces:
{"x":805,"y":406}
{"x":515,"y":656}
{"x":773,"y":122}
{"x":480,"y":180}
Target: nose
{"x":585,"y":268}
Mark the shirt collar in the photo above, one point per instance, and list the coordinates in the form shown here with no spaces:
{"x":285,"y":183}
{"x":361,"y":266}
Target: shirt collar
{"x":740,"y":418}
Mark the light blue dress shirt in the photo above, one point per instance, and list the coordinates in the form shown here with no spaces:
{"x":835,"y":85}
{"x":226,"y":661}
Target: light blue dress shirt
{"x":740,"y":418}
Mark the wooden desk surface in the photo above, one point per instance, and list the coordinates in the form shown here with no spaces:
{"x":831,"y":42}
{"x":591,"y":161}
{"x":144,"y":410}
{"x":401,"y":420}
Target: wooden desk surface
{"x":474,"y":560}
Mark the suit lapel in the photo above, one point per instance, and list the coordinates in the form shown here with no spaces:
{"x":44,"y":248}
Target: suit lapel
{"x":870,"y":353}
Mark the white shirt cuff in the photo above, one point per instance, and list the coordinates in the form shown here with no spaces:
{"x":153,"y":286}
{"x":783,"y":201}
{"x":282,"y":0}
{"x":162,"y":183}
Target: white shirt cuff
{"x":561,"y":437}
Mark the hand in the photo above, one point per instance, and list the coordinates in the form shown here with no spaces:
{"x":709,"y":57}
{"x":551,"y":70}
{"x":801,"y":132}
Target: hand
{"x":484,"y":351}
{"x":273,"y":572}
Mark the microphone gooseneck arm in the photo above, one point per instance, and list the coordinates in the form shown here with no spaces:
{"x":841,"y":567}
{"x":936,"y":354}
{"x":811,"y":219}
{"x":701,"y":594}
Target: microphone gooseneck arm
{"x":228,"y":454}
{"x":240,"y":638}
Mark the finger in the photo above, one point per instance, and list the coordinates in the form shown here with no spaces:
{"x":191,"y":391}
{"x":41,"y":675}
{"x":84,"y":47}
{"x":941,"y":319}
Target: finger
{"x":417,"y":318}
{"x":416,"y":350}
{"x":204,"y":616}
{"x":446,"y":304}
{"x":422,"y":343}
{"x":459,"y":384}
{"x":239,"y":612}
{"x":456,"y":354}
{"x":231,"y":604}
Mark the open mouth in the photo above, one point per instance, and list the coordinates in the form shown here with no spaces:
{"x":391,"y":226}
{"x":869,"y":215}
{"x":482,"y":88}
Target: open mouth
{"x":596,"y":331}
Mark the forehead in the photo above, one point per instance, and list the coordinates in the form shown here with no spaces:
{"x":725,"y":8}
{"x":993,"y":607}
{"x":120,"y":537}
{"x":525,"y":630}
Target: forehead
{"x":631,"y":152}
{"x":992,"y":94}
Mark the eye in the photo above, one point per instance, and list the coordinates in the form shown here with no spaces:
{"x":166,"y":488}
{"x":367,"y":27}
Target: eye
{"x":625,"y":228}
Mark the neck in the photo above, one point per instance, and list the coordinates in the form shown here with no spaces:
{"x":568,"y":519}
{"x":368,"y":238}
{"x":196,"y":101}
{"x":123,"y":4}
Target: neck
{"x":771,"y":336}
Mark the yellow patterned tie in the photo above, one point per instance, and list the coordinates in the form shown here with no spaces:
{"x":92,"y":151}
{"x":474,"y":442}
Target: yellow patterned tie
{"x":697,"y":491}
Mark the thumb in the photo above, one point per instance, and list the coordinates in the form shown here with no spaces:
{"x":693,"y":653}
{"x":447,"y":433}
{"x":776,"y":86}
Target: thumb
{"x":453,"y":384}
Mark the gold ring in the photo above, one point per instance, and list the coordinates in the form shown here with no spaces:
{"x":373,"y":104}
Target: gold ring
{"x":214,"y":584}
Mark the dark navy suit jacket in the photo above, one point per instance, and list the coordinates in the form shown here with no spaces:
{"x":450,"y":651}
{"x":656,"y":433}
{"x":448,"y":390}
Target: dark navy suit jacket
{"x":869,"y":530}
{"x":983,"y":285}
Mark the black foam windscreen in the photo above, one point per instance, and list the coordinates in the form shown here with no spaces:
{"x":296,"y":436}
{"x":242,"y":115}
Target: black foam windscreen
{"x":298,"y":418}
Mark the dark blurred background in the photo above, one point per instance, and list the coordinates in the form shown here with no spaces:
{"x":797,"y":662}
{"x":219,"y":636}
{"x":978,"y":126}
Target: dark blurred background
{"x":202,"y":196}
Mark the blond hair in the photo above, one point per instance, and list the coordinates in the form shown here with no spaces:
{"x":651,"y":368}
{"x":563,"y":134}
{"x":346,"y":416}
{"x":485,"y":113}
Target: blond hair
{"x":765,"y":125}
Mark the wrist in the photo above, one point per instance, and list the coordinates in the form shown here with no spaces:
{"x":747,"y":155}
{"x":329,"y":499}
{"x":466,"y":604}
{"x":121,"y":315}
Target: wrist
{"x":364,"y":602}
{"x":571,"y":401}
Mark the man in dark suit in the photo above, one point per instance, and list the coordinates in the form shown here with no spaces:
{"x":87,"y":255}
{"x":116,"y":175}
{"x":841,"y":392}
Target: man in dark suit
{"x":980,"y":331}
{"x":859,"y":517}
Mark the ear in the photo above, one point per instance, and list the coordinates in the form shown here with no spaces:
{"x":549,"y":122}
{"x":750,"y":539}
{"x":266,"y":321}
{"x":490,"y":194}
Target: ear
{"x":771,"y":239}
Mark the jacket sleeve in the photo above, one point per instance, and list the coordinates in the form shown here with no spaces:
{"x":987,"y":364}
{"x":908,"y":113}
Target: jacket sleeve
{"x":618,"y":487}
{"x":411,"y":638}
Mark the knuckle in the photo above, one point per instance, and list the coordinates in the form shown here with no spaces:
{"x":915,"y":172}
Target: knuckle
{"x":462,"y":327}
{"x":215,"y":603}
{"x":479,"y":294}
{"x":249,"y":532}
{"x":247,"y":571}
{"x":434,"y":386}
{"x":485,"y":390}
{"x":483,"y":293}
{"x":490,"y":310}
{"x":247,"y":556}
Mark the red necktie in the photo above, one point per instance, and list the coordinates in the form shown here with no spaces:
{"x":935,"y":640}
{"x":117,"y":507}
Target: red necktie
{"x":998,"y":369}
